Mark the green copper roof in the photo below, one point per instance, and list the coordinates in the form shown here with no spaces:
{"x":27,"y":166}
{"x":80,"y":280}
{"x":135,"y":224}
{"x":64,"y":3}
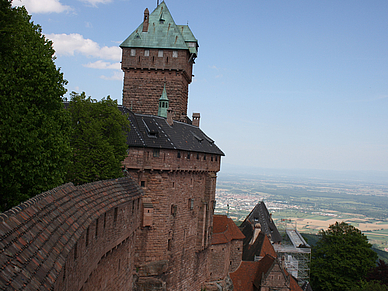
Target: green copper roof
{"x":162,"y":33}
{"x":163,"y":103}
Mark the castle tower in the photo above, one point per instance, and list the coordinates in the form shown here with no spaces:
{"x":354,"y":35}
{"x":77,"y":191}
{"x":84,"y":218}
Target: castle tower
{"x":158,"y":53}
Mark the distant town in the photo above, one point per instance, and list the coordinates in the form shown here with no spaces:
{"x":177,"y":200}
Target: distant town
{"x":308,"y":204}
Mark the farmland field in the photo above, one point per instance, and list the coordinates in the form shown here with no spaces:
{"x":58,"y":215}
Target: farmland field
{"x":309,"y":204}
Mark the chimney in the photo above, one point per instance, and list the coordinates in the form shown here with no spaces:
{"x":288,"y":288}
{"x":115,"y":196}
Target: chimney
{"x":256,"y":231}
{"x":146,"y":20}
{"x":169,"y":116}
{"x":283,"y":262}
{"x":196,"y":117}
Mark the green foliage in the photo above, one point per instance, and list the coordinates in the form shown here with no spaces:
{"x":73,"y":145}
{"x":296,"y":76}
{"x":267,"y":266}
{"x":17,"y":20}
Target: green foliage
{"x":342,"y":257}
{"x":34,"y":144}
{"x":379,"y":273}
{"x":370,"y":286}
{"x":98,"y":139}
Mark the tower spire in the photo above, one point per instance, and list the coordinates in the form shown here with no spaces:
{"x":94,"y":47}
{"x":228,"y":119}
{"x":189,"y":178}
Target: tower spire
{"x":163,"y":103}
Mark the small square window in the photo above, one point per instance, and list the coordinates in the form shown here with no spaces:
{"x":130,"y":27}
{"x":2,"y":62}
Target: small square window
{"x":133,"y":52}
{"x":142,"y":183}
{"x":174,"y":54}
{"x":146,"y":53}
{"x":160,"y":54}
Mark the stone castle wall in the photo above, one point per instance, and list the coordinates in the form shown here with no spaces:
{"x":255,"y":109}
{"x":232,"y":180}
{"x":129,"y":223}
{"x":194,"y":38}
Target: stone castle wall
{"x":181,"y":191}
{"x":72,"y":238}
{"x":145,"y":76}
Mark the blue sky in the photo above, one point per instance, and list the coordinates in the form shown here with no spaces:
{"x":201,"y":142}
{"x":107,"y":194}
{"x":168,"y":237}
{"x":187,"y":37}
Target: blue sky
{"x":279,"y":84}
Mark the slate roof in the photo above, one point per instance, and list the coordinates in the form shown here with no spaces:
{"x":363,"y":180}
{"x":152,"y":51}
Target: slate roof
{"x":162,"y":33}
{"x":261,"y":247}
{"x":260,"y":214}
{"x":37,"y":236}
{"x":225,"y":230}
{"x":154,"y":132}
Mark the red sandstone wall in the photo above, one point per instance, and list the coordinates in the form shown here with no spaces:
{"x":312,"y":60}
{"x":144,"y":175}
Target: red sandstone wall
{"x":145,"y":76}
{"x":220,"y":261}
{"x":40,"y":237}
{"x":236,"y":250}
{"x":276,"y":280}
{"x":105,"y":261}
{"x":180,"y":232}
{"x":143,"y":159}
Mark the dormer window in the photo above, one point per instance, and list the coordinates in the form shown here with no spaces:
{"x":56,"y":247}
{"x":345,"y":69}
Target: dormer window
{"x":152,"y":129}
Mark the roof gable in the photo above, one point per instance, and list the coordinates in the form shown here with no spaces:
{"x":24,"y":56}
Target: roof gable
{"x":260,"y":214}
{"x":162,"y":32}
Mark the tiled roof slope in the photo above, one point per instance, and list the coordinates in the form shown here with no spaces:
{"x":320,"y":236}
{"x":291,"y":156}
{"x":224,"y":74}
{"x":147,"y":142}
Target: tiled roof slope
{"x":224,"y":230}
{"x":162,"y":33}
{"x":37,"y":236}
{"x":261,"y":247}
{"x":260,"y":214}
{"x":154,"y":132}
{"x":250,"y":273}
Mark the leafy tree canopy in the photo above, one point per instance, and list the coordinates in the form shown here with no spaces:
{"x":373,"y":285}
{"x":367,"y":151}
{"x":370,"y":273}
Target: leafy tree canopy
{"x":98,"y":139}
{"x":370,"y":286}
{"x":342,"y":257}
{"x":379,"y":273}
{"x":34,"y":144}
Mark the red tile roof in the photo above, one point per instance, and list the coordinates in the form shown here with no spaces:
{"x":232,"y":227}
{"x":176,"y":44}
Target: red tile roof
{"x":293,"y":283}
{"x":244,"y":276}
{"x":250,"y":272}
{"x":225,"y":230}
{"x":267,"y":248}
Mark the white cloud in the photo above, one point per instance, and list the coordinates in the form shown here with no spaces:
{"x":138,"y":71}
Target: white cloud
{"x":42,"y":6}
{"x":116,"y":76}
{"x":95,"y":2}
{"x":69,"y":44}
{"x":103,"y":65}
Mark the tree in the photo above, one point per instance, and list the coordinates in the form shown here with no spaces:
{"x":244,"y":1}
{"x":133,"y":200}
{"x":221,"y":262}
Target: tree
{"x":98,"y":139}
{"x":342,"y":257}
{"x":370,"y":286}
{"x":34,"y":143}
{"x":379,"y":273}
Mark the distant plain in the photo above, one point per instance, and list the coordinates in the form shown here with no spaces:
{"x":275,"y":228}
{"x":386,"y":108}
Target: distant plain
{"x":310,"y":201}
